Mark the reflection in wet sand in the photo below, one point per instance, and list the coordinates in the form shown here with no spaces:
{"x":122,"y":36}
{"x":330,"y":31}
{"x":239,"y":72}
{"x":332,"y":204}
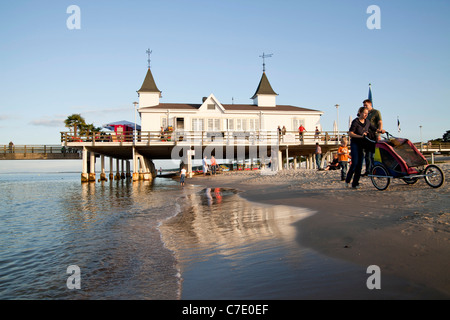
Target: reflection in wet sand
{"x":234,"y":236}
{"x":232,"y":224}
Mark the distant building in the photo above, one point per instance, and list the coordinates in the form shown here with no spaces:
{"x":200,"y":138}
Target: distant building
{"x":213,"y":116}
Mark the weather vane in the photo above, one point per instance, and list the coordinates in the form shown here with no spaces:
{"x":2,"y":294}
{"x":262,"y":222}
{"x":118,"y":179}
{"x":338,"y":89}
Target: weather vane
{"x":149,"y":52}
{"x":264,"y":56}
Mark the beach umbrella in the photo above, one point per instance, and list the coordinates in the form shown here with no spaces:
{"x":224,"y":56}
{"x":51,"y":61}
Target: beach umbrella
{"x":335,"y":130}
{"x":111,"y":125}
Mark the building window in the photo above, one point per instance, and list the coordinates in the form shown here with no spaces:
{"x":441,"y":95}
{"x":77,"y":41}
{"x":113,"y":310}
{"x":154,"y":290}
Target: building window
{"x":197,"y":124}
{"x":239,"y":124}
{"x":213,"y":124}
{"x":217,"y":124}
{"x":230,"y":124}
{"x":210,"y":124}
{"x":211,"y":107}
{"x":244,"y":124}
{"x":254,"y":125}
{"x":164,"y":122}
{"x":296,"y":123}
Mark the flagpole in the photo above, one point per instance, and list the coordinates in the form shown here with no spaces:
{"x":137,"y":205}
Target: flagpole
{"x":337,"y":123}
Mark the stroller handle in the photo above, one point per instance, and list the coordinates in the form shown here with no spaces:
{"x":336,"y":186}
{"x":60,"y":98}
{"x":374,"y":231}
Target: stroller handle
{"x":370,"y":140}
{"x":388,"y":135}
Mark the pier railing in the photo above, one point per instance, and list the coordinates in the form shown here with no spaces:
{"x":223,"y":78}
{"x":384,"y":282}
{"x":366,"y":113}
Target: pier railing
{"x":203,"y":137}
{"x":434,"y":146}
{"x":36,"y":149}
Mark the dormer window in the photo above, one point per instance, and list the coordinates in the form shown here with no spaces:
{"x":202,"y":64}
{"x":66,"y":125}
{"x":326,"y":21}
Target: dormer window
{"x":211,"y":107}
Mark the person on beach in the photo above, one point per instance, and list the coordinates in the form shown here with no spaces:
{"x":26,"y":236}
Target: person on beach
{"x":343,"y":156}
{"x":213,"y":165}
{"x":182,"y":176}
{"x":359,"y":129}
{"x":205,"y":166}
{"x":374,"y":117}
{"x":318,"y":154}
{"x":334,"y":165}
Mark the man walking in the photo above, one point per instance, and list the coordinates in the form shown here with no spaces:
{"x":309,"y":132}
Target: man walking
{"x":375,"y":119}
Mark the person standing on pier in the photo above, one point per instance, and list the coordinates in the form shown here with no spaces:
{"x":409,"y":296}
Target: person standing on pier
{"x":11,"y":146}
{"x":301,"y":130}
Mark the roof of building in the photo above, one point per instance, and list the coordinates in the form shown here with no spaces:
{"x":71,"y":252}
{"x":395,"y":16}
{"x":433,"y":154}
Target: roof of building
{"x":230,"y":107}
{"x":149,"y":84}
{"x":264,"y":87}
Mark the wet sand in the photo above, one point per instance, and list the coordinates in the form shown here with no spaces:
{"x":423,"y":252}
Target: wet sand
{"x":404,"y":230}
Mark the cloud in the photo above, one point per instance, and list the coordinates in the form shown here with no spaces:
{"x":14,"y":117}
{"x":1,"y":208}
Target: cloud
{"x":4,"y":117}
{"x":86,"y":110}
{"x":48,"y":122}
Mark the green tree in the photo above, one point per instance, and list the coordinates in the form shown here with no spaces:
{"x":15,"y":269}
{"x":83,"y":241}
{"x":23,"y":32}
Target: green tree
{"x":75,"y":121}
{"x":446,"y":136}
{"x":89,"y":128}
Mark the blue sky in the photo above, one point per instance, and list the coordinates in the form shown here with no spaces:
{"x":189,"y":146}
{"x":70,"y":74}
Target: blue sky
{"x":323,"y":55}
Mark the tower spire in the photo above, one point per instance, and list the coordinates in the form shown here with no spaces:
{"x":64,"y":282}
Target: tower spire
{"x":264,"y":56}
{"x":149,"y":52}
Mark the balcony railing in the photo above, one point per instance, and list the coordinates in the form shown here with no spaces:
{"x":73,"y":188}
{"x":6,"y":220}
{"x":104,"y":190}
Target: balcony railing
{"x":203,"y":137}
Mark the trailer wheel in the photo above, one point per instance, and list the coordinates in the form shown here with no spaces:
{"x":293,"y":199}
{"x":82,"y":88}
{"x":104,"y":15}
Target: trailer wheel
{"x":410,"y":180}
{"x":434,"y":176}
{"x":380,"y":177}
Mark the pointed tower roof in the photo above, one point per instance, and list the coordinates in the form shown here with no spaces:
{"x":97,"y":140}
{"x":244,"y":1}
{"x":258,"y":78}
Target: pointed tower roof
{"x":264,"y":87}
{"x":149,"y":84}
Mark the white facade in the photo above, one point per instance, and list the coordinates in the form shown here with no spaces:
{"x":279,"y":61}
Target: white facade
{"x":212,"y":116}
{"x":265,"y":100}
{"x":149,"y":99}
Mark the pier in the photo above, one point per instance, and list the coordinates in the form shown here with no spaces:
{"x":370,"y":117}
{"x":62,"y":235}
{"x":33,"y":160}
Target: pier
{"x":137,"y":151}
{"x":38,"y":152}
{"x":131,"y":155}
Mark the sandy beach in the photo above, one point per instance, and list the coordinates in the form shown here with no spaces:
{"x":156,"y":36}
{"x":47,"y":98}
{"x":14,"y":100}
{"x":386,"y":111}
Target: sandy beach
{"x":404,"y":230}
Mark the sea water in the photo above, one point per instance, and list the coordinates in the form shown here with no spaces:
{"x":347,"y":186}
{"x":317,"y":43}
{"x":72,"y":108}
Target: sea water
{"x":142,"y":240}
{"x":49,"y":222}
